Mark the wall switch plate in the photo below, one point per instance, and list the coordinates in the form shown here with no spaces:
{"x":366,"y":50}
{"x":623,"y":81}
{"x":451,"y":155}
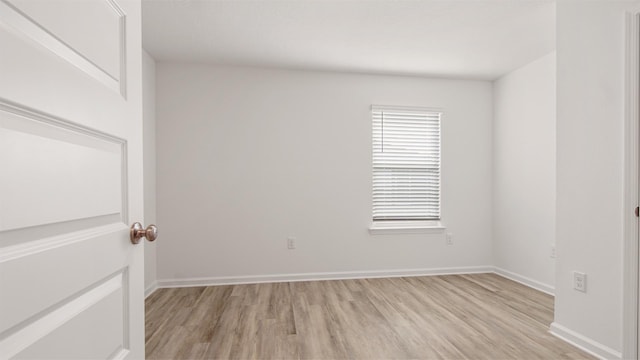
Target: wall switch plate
{"x":291,"y":243}
{"x":553,"y":251}
{"x":580,"y":281}
{"x":449,"y":237}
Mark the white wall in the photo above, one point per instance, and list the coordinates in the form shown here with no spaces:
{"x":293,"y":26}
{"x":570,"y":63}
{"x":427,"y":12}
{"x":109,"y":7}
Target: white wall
{"x":524,"y":172}
{"x":590,"y":139}
{"x":247,"y":157}
{"x":149,"y":162}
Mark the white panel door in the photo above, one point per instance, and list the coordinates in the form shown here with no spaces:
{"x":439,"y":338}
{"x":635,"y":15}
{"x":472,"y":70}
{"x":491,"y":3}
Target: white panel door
{"x":71,"y":281}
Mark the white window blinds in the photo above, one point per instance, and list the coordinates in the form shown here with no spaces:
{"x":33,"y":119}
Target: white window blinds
{"x":406,"y":164}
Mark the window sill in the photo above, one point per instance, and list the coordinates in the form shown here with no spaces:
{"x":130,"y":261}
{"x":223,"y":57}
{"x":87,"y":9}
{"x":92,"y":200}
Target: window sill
{"x":406,"y":227}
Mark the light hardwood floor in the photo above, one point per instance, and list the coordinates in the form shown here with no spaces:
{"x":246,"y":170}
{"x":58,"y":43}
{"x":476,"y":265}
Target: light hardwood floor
{"x":482,"y":316}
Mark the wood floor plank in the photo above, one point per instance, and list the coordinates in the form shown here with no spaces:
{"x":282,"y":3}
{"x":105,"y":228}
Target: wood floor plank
{"x":478,"y":316}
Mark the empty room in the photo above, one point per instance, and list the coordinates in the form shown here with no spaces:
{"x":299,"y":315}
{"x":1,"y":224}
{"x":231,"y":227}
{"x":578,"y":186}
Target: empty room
{"x":191,"y":179}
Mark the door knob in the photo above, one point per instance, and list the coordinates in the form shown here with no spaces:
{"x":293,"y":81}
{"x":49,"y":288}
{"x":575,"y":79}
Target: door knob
{"x":137,"y":232}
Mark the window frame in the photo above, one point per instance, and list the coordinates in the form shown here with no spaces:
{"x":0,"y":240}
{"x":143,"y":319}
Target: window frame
{"x":407,"y":226}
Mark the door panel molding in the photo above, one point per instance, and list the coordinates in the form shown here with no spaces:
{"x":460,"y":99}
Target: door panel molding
{"x":14,"y":252}
{"x":28,"y":237}
{"x":20,"y":337}
{"x":49,"y":273}
{"x":111,"y":72}
{"x":97,"y":152}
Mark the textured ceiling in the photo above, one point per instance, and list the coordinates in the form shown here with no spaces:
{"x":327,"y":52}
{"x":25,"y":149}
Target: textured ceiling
{"x":456,"y":39}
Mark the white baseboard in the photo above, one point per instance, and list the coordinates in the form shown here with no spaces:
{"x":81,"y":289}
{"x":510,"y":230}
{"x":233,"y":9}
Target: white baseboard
{"x":545,"y":288}
{"x":150,"y":289}
{"x":253,"y":279}
{"x":578,"y":340}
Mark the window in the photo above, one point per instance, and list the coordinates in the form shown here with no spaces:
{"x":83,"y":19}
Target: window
{"x":406,"y":166}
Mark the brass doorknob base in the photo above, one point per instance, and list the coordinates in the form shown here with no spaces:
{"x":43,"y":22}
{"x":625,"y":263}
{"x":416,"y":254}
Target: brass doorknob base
{"x":137,"y":232}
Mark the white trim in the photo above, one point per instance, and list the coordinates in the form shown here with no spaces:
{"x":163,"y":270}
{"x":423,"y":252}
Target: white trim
{"x":150,"y":289}
{"x":534,"y":284}
{"x":630,"y":260}
{"x":254,"y":279}
{"x":580,"y":341}
{"x":418,"y":109}
{"x":406,"y":227}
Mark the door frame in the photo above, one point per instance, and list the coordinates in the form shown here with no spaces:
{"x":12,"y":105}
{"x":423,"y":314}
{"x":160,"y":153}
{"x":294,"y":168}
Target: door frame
{"x":631,"y":275}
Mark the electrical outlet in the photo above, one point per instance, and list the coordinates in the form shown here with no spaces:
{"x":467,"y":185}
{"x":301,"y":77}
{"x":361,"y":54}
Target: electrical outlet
{"x":580,"y":281}
{"x":449,"y":237}
{"x":291,"y":243}
{"x":553,"y":251}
